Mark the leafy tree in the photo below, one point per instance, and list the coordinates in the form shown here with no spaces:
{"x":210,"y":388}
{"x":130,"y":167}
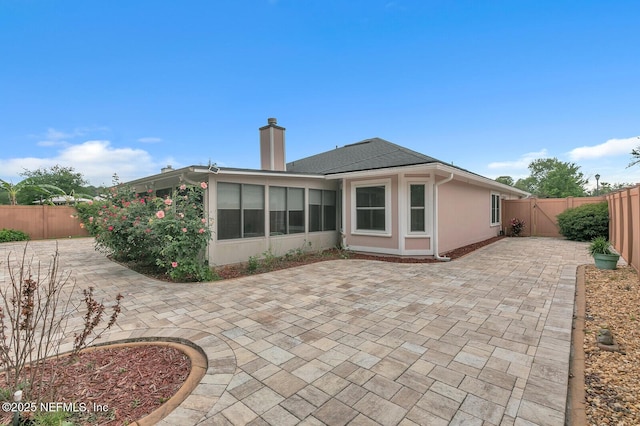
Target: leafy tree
{"x":13,"y":190}
{"x":507,"y":180}
{"x":605,"y":188}
{"x":67,"y":181}
{"x":552,"y":178}
{"x":635,"y":153}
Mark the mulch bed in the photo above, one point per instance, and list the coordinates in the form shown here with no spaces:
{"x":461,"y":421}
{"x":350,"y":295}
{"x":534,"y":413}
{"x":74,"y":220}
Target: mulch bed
{"x":241,"y":270}
{"x":116,"y":385}
{"x":612,"y":378}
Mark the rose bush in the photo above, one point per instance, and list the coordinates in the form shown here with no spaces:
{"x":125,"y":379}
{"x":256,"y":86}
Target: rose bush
{"x":169,"y":234}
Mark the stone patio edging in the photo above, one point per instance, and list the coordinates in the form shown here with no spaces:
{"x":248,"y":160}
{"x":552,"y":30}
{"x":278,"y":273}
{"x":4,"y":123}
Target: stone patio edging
{"x":214,"y":363}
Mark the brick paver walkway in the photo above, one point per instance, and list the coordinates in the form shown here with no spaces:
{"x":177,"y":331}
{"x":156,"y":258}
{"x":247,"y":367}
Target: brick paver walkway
{"x":483,"y":340}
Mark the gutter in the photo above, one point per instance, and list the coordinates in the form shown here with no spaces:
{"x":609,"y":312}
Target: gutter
{"x":435,"y":219}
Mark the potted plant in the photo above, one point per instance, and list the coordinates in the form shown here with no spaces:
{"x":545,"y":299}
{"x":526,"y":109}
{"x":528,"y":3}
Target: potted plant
{"x":600,"y":249}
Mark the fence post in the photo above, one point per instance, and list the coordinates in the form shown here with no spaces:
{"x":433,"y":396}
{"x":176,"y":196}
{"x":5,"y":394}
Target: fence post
{"x":631,"y":222}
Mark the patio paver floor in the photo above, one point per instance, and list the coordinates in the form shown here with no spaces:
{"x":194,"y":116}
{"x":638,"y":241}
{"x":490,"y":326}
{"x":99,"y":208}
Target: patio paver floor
{"x":484,"y":340}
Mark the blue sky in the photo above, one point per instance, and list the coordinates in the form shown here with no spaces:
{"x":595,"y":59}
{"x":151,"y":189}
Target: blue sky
{"x":127,"y":87}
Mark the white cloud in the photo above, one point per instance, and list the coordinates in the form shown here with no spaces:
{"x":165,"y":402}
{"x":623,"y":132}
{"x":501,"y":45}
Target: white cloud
{"x":149,"y":139}
{"x":57,"y":135}
{"x":52,"y":143}
{"x":96,"y":160}
{"x":521,"y":163}
{"x":54,"y":137}
{"x":610,"y":148}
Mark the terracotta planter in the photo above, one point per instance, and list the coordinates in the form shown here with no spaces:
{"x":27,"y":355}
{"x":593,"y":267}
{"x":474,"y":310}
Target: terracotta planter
{"x":606,"y":261}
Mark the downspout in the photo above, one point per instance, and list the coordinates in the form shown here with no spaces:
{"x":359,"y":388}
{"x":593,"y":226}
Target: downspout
{"x":435,"y":220}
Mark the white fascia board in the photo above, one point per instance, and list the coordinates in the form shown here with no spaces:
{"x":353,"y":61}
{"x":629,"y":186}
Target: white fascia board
{"x":271,"y":174}
{"x":468,"y":177}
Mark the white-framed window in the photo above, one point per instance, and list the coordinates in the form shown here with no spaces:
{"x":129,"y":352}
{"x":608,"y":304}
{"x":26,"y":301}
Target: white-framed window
{"x":286,"y":210}
{"x":240,"y":210}
{"x":495,"y":209}
{"x":322,"y":210}
{"x":372,"y":207}
{"x":417,"y":208}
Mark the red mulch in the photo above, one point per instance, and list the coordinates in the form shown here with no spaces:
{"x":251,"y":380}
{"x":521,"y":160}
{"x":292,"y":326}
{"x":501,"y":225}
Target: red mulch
{"x":128,"y":382}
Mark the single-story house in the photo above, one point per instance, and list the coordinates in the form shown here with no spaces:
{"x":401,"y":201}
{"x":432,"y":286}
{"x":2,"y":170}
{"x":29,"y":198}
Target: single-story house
{"x":371,"y":196}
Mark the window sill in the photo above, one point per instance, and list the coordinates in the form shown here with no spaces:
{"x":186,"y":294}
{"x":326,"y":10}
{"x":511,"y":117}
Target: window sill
{"x":371,"y":233}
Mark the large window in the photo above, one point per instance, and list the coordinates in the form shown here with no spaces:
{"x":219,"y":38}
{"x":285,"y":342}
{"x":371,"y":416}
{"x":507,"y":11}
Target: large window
{"x":370,"y":208}
{"x":495,"y":209}
{"x":286,"y":210}
{"x":240,"y":211}
{"x":418,"y":211}
{"x":322,"y":210}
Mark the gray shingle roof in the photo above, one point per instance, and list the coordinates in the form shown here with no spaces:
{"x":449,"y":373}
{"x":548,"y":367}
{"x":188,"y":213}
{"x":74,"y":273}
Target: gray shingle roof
{"x":368,"y":154}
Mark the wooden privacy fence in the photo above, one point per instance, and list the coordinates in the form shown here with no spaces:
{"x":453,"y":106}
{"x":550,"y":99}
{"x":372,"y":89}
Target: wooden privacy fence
{"x":624,"y":225}
{"x":539,"y":214}
{"x":42,"y":222}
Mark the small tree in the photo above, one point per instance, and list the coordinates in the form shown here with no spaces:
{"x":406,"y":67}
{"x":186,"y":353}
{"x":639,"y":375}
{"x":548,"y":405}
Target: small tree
{"x":635,"y":153}
{"x":34,"y":311}
{"x":507,"y":180}
{"x":552,"y":178}
{"x":66,"y":181}
{"x":13,"y":190}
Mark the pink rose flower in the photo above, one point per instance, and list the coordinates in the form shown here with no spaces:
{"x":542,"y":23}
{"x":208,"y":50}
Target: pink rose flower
{"x":91,"y":219}
{"x":200,"y":231}
{"x":184,"y":229}
{"x":203,"y":220}
{"x":168,"y":201}
{"x":110,"y":227}
{"x":160,"y":214}
{"x":183,"y":187}
{"x":203,"y":185}
{"x":174,"y":264}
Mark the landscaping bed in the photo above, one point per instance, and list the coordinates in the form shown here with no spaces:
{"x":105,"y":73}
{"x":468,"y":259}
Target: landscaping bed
{"x":115,"y":385}
{"x":268,"y":263}
{"x":612,"y":378}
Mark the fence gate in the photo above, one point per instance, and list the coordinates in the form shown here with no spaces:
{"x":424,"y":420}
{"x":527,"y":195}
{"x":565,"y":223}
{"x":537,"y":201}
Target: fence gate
{"x":539,"y":214}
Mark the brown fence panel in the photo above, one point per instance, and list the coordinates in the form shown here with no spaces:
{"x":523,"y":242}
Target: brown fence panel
{"x":624,"y":230}
{"x":42,"y":222}
{"x":521,"y":209}
{"x":540,"y":214}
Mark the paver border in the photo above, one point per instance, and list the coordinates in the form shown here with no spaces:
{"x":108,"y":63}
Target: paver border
{"x":215,"y":363}
{"x":576,"y":414}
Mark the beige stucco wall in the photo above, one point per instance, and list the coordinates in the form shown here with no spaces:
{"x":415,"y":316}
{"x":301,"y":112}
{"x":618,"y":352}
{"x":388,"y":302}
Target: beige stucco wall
{"x":417,"y":243}
{"x":464,"y":215}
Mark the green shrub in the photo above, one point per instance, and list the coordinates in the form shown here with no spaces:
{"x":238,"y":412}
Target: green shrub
{"x":586,"y":222}
{"x":167,"y":234}
{"x":8,"y":235}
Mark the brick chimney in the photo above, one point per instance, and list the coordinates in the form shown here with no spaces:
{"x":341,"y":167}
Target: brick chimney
{"x":272,"y":155}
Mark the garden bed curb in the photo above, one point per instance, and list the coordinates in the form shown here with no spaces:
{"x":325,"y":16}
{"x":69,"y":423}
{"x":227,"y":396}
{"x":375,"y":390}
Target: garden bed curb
{"x":576,"y":414}
{"x":212,"y":359}
{"x":197,"y":371}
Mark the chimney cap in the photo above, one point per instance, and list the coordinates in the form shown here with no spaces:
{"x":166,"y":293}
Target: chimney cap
{"x":272,"y":120}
